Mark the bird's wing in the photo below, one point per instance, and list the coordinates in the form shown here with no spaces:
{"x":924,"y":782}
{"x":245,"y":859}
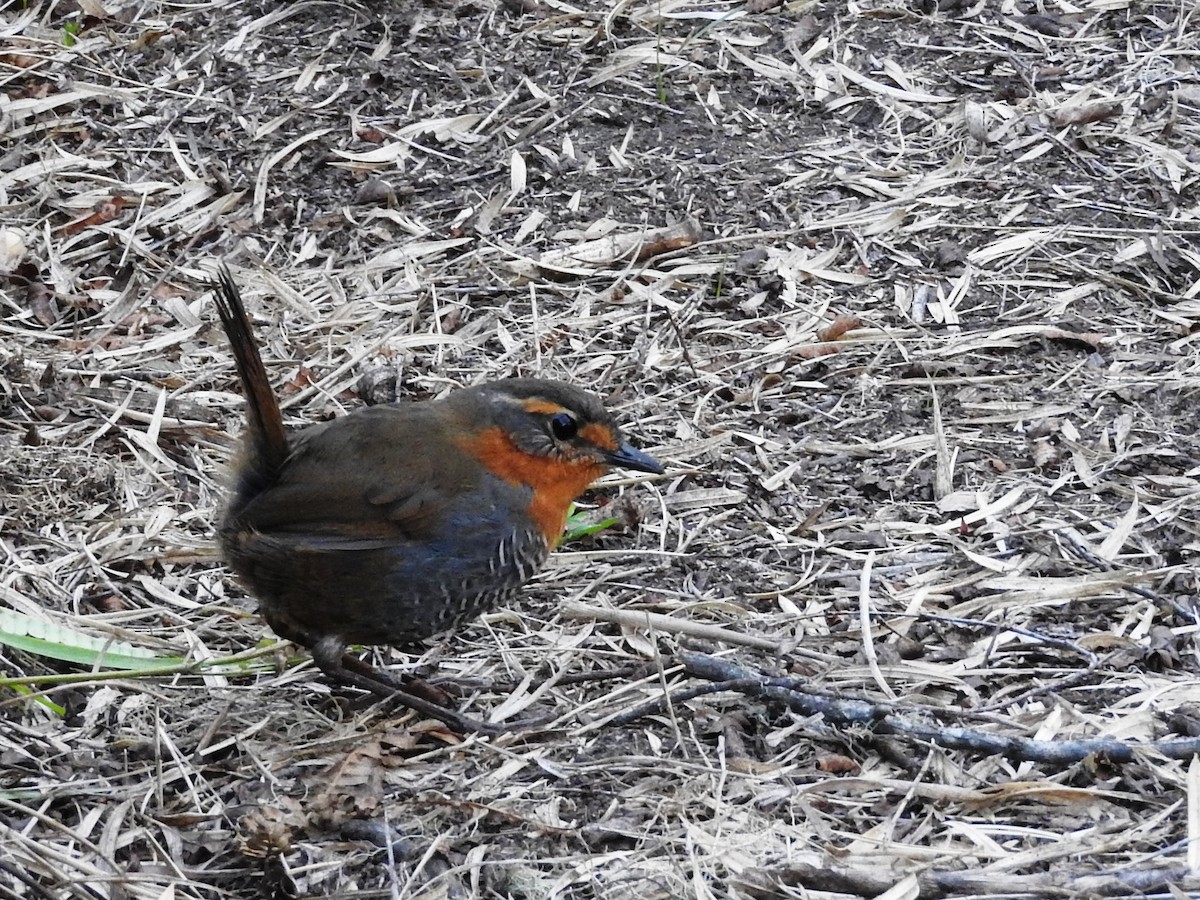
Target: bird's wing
{"x":382,"y":476}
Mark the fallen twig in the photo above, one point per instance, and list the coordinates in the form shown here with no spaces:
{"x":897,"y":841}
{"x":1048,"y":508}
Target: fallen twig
{"x":884,"y":718}
{"x":669,"y":625}
{"x":772,"y":883}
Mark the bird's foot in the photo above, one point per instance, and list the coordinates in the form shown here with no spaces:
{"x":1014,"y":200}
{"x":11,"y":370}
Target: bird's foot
{"x":417,"y":695}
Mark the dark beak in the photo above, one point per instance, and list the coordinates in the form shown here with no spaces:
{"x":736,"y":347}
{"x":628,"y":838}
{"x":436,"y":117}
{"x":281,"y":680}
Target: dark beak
{"x":628,"y":457}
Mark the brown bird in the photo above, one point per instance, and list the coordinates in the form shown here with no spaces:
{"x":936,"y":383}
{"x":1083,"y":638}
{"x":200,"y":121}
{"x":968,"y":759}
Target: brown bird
{"x":397,"y":522}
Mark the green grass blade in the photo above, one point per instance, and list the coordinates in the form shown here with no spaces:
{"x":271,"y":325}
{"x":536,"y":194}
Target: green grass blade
{"x":59,"y":642}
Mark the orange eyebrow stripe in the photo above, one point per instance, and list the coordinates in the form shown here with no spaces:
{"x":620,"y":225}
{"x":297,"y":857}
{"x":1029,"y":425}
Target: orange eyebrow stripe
{"x":543,"y":406}
{"x":600,"y":435}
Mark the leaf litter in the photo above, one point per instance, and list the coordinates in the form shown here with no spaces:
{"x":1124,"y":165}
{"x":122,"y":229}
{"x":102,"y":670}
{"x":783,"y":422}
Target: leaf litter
{"x":906,"y":296}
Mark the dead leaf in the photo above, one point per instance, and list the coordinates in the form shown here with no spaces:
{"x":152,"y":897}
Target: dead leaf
{"x":837,"y":329}
{"x":1045,"y":793}
{"x":16,"y":59}
{"x":813,"y":351}
{"x":268,"y":830}
{"x":619,"y":248}
{"x":351,"y":787}
{"x":1090,"y":339}
{"x":1086,"y":113}
{"x":837,"y":764}
{"x":41,"y":300}
{"x":104,"y":211}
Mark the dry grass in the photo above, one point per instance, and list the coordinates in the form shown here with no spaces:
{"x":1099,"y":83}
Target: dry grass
{"x":927,"y":386}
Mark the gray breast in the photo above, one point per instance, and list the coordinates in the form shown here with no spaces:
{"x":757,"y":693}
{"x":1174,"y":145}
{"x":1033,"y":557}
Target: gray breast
{"x":447,"y":589}
{"x":514,"y":561}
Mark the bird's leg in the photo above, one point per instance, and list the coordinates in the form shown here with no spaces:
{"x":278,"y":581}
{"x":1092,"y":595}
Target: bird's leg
{"x":329,"y":655}
{"x":410,"y":683}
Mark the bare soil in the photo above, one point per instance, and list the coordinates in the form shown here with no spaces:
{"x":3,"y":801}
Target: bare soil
{"x":924,"y":370}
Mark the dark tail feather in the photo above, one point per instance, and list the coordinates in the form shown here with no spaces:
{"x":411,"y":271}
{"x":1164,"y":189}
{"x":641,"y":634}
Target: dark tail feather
{"x":267,"y":444}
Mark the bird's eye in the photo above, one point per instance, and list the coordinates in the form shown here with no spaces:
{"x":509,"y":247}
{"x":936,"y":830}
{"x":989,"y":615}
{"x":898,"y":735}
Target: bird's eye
{"x":563,"y":426}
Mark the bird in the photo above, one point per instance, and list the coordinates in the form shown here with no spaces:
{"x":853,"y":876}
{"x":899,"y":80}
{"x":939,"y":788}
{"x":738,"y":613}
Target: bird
{"x":400,"y":521}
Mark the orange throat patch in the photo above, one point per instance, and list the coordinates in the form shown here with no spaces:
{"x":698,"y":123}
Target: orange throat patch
{"x":555,"y":482}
